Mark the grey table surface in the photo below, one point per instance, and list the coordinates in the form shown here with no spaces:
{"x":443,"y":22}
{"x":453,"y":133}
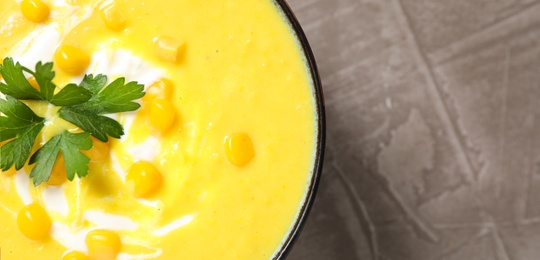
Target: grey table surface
{"x":433,"y":134}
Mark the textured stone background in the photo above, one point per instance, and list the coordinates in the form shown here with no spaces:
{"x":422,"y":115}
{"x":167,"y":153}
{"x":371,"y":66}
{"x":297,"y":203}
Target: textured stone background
{"x":433,"y":113}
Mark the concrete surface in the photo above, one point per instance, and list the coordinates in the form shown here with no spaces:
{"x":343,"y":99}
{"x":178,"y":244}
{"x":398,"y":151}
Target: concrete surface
{"x":433,"y":129}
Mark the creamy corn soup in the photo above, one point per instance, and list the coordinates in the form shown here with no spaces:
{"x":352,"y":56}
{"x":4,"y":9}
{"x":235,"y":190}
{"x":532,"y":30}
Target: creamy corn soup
{"x":214,"y":165}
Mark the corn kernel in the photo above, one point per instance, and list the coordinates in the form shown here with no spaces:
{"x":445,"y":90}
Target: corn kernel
{"x":113,"y":18}
{"x":99,"y":151}
{"x":58,"y":173}
{"x":103,"y":244}
{"x":239,"y":149}
{"x":75,"y":255}
{"x":161,"y":89}
{"x":169,"y":49}
{"x":145,"y":177}
{"x":33,"y":82}
{"x":162,"y":115}
{"x":35,"y":10}
{"x":71,"y":59}
{"x":34,"y":222}
{"x":9,"y":172}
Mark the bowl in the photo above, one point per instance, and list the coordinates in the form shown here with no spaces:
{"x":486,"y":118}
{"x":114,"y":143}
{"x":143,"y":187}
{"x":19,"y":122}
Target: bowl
{"x":302,"y":217}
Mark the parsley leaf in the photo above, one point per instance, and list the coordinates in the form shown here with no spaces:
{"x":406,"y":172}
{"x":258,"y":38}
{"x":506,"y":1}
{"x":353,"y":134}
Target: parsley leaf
{"x":44,"y":76}
{"x":99,"y":126}
{"x":70,"y":145}
{"x":113,"y":98}
{"x":16,"y":151}
{"x":94,"y":84}
{"x":17,"y":116}
{"x":70,"y":95}
{"x":16,"y":85}
{"x":20,"y":125}
{"x":116,"y":97}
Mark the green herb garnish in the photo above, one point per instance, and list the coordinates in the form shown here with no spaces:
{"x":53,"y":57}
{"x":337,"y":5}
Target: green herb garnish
{"x":83,"y":105}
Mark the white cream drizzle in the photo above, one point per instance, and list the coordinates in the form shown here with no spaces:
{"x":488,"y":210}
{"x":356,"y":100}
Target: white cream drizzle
{"x":55,"y":200}
{"x":146,"y":150}
{"x":174,"y":225}
{"x":110,"y":221}
{"x":22,"y":184}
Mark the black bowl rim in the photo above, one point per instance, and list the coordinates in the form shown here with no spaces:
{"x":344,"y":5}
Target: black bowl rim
{"x":288,"y":243}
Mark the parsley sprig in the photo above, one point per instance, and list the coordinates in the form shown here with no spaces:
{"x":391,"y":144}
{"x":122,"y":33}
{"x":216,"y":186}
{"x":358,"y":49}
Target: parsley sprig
{"x":83,"y":105}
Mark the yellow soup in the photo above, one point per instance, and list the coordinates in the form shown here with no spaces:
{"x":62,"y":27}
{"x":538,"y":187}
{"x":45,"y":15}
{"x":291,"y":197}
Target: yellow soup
{"x":215,"y":164}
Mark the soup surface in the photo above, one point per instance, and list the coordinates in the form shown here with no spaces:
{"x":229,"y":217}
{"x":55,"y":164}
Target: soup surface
{"x":233,"y":143}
